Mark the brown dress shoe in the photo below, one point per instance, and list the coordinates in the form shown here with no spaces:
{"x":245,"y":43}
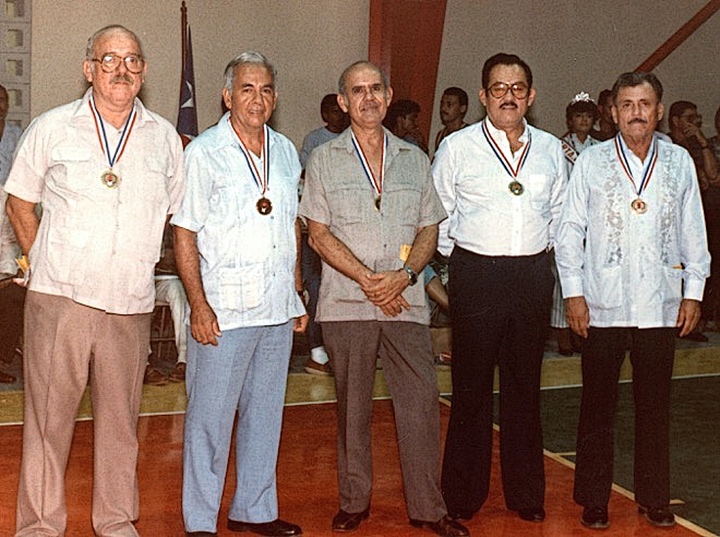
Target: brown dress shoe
{"x":6,"y":378}
{"x":445,"y":527}
{"x":154,"y":377}
{"x":345,"y":522}
{"x":178,"y":372}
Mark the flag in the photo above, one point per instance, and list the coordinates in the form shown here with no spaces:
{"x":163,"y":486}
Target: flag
{"x":187,"y":123}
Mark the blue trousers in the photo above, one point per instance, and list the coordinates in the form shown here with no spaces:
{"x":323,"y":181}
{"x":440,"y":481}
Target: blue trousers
{"x":246,"y":373}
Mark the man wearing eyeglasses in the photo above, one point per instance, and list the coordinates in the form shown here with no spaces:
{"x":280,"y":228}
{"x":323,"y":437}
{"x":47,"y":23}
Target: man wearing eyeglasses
{"x":502,"y":183}
{"x":107,"y":172}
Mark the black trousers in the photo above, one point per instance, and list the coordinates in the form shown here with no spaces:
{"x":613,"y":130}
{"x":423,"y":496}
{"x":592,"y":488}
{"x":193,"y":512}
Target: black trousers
{"x":652,"y":352}
{"x":500,"y":313}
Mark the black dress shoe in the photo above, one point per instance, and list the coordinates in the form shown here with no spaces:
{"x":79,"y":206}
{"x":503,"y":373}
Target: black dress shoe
{"x":658,"y":516}
{"x":595,"y":518}
{"x":345,"y":522}
{"x":461,"y":514}
{"x":276,"y":528}
{"x":534,"y":514}
{"x":445,"y":527}
{"x":200,"y":534}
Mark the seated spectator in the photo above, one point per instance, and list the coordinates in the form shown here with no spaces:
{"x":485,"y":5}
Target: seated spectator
{"x":336,"y":121}
{"x":685,"y":130}
{"x":715,"y":140}
{"x":12,"y":295}
{"x":402,"y":121}
{"x":580,"y":116}
{"x":453,"y":107}
{"x":169,"y":290}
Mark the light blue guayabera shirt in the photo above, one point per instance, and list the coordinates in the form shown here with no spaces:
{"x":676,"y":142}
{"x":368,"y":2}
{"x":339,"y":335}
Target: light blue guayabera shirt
{"x":247,"y":259}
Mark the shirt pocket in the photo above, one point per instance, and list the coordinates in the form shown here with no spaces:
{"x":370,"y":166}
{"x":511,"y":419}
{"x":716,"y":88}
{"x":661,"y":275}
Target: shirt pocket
{"x":538,"y":187}
{"x":69,"y":168}
{"x":241,"y":290}
{"x":66,"y":254}
{"x":604,"y":288}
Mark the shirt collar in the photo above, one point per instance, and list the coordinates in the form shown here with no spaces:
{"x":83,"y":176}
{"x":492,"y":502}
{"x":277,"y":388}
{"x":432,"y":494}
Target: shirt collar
{"x":498,"y":134}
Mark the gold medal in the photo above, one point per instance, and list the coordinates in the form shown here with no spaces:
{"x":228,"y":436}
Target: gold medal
{"x":264,"y":206}
{"x":378,"y":200}
{"x":639,"y":206}
{"x":516,"y":188}
{"x":110,"y":178}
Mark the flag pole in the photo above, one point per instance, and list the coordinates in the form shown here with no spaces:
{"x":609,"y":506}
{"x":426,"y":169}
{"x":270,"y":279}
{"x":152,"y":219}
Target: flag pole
{"x":183,"y":25}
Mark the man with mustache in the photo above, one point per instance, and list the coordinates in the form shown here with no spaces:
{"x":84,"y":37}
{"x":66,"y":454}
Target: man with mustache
{"x":453,"y":107}
{"x":107,"y":172}
{"x":372,"y":214}
{"x":632,"y":256}
{"x":502,"y":182}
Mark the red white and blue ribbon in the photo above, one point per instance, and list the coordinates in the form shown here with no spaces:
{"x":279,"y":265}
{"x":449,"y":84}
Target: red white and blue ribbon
{"x":261,"y":180}
{"x":102,"y":135}
{"x":625,"y":164}
{"x":506,"y":164}
{"x":375,"y":182}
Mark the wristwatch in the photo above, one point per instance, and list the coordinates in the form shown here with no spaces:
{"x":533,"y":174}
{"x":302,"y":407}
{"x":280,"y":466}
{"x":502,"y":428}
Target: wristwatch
{"x":412,"y":275}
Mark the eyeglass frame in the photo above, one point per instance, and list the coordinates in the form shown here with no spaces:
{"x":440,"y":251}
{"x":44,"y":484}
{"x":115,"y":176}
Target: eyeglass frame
{"x":103,"y":65}
{"x":509,"y":87}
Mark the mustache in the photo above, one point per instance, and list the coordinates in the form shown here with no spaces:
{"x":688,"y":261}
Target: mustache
{"x":637,"y":120}
{"x":508,"y":105}
{"x":121,"y":78}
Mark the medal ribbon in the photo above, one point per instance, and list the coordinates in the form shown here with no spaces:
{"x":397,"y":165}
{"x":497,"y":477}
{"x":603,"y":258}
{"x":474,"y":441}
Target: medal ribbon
{"x":506,"y":164}
{"x":262,"y":181}
{"x":124,"y":137}
{"x":647,"y":173}
{"x":375,"y":182}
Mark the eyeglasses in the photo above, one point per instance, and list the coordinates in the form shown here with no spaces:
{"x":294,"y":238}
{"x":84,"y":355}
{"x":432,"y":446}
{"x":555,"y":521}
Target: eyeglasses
{"x":110,"y":62}
{"x":500,"y":89}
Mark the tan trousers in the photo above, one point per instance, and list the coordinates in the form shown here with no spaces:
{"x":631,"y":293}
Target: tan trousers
{"x":65,"y":343}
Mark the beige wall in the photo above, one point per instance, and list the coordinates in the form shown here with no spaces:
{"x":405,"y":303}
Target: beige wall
{"x":571,"y":45}
{"x":306,"y":40}
{"x":575,"y":45}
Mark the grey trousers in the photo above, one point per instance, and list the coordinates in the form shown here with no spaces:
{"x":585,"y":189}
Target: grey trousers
{"x":406,"y":352}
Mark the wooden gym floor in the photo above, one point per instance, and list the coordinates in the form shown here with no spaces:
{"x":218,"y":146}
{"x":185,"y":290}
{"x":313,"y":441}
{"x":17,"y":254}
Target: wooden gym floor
{"x":306,"y":470}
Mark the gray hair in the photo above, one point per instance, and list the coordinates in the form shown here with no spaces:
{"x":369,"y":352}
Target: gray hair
{"x":635,"y":78}
{"x":362,"y":63}
{"x":113,"y":28}
{"x":247,"y":57}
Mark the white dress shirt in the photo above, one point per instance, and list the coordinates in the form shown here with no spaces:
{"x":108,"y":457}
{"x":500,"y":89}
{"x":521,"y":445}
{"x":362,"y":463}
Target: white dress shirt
{"x":485,"y":217}
{"x":633,"y":269}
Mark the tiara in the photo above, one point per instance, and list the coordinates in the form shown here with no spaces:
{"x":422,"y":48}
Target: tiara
{"x":582,"y":97}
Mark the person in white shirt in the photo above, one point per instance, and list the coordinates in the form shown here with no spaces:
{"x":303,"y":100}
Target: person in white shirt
{"x":632,"y":256}
{"x":502,"y":182}
{"x":236,"y":239}
{"x":107,"y":172}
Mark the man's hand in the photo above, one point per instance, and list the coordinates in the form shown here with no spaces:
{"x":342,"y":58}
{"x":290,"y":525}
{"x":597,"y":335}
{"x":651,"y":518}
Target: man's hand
{"x":577,"y":315}
{"x":688,"y":316}
{"x":204,"y":325}
{"x":300,"y":323}
{"x":384,"y":289}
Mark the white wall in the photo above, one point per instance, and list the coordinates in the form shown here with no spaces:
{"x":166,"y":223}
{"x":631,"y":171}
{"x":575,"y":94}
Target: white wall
{"x":571,"y":45}
{"x":579,"y":45}
{"x":310,"y":43}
